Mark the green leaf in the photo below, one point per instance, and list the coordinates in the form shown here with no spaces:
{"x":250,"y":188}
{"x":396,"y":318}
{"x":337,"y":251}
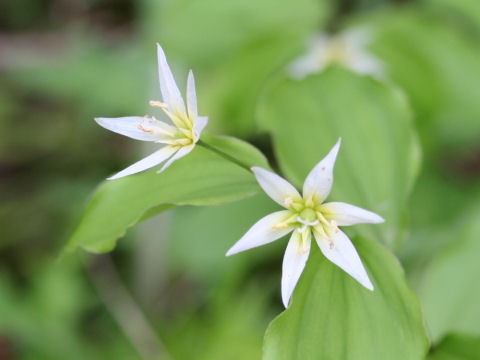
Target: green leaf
{"x":463,"y":13}
{"x":211,"y":31}
{"x":449,"y":289}
{"x":437,"y":66}
{"x":457,"y":347}
{"x":208,"y":244}
{"x":379,"y":156}
{"x":203,"y":177}
{"x":333,"y":317}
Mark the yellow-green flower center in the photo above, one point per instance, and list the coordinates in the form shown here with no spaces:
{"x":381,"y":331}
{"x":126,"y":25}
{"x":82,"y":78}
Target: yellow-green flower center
{"x":308,"y":215}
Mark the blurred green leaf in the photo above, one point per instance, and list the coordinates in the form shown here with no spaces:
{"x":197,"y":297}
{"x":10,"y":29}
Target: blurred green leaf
{"x":465,"y":13}
{"x":457,"y":347}
{"x":200,"y":178}
{"x":209,"y":31}
{"x":52,"y":317}
{"x":230,"y":329}
{"x":379,"y":156}
{"x":333,"y":317}
{"x":233,"y":46}
{"x":92,"y":75}
{"x":208,"y":244}
{"x":437,"y":66}
{"x":449,"y":290}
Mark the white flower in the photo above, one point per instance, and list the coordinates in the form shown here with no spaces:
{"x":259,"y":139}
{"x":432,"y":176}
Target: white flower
{"x":303,"y":216}
{"x":178,"y":139}
{"x":348,"y":48}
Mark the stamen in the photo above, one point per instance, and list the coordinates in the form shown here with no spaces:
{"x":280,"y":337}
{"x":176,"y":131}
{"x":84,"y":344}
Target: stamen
{"x":158,"y":104}
{"x":280,"y":225}
{"x":331,"y":244}
{"x":141,"y":127}
{"x":179,"y":142}
{"x":297,"y":206}
{"x":178,"y":121}
{"x":309,"y":202}
{"x":303,"y":250}
{"x":322,"y":218}
{"x":288,"y":201}
{"x":186,"y":132}
{"x":335,"y":226}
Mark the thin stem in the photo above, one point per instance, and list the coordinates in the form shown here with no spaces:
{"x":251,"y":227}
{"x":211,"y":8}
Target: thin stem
{"x":124,"y":309}
{"x":224,"y":155}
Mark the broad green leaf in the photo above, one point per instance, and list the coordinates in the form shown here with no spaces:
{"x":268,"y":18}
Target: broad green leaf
{"x":333,"y":317}
{"x":379,"y":156}
{"x":449,"y":290}
{"x":203,"y":177}
{"x":457,"y":347}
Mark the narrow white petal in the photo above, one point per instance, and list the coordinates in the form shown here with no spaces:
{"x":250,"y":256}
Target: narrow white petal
{"x":345,"y":214}
{"x":365,"y":63}
{"x":146,"y":163}
{"x":294,"y":261}
{"x":170,"y":93}
{"x":262,"y":232}
{"x":198,"y":126}
{"x":319,"y":181}
{"x":303,"y":66}
{"x":135,"y":127}
{"x":185,"y":150}
{"x":342,"y":253}
{"x":191,"y":96}
{"x":279,"y":189}
{"x":314,"y":60}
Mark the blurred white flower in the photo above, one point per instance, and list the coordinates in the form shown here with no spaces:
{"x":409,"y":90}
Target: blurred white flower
{"x":348,"y":48}
{"x":178,"y":138}
{"x":303,"y":216}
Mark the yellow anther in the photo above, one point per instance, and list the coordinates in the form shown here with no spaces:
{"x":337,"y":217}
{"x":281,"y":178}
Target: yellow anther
{"x":288,"y":201}
{"x":334,"y":225}
{"x":331,"y":244}
{"x":303,"y":250}
{"x":158,"y":104}
{"x":141,"y":127}
{"x":282,"y":225}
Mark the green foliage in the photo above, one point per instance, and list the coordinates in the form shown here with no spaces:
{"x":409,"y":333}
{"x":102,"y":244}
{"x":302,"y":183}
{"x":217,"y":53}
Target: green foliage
{"x":234,"y":46}
{"x":379,"y":156}
{"x":207,"y":245}
{"x":52,"y":319}
{"x":98,"y":59}
{"x":332,"y":317}
{"x":201,"y":178}
{"x":464,"y":14}
{"x":438,"y":69}
{"x":449,"y":291}
{"x":457,"y":347}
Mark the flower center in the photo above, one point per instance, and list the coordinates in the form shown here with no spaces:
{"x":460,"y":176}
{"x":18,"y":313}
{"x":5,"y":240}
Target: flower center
{"x":308,"y":216}
{"x":338,"y":52}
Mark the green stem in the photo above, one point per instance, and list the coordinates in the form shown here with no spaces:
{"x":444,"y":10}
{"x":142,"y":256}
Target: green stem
{"x":224,"y":155}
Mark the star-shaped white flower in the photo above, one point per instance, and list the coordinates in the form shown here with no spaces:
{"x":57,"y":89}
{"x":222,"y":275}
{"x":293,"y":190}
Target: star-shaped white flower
{"x":178,"y":138}
{"x":303,"y":216}
{"x":348,"y":49}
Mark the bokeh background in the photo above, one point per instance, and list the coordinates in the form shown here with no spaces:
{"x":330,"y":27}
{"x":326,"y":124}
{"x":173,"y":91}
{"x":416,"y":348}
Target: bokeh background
{"x":167,"y":291}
